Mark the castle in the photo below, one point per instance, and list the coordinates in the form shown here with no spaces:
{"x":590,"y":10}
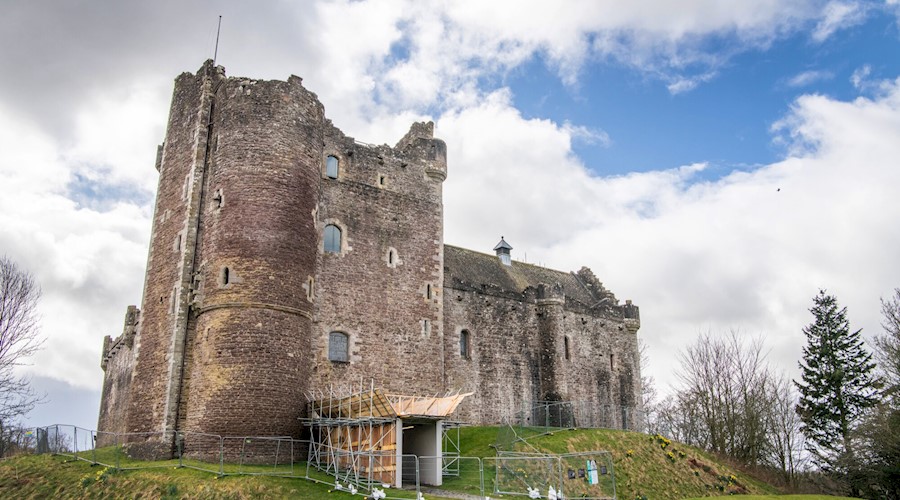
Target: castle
{"x":286,"y":258}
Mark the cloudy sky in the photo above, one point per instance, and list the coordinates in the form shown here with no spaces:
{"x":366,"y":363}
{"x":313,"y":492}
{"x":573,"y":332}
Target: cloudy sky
{"x":718,"y":162}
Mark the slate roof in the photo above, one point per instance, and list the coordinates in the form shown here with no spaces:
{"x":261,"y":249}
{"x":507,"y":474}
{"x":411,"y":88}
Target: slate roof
{"x":467,"y":269}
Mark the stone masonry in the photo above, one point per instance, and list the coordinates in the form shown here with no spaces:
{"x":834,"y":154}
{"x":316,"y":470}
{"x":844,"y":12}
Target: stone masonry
{"x":286,"y":258}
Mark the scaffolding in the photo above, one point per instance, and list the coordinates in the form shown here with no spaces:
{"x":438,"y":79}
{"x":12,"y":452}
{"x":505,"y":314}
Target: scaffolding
{"x":354,"y":434}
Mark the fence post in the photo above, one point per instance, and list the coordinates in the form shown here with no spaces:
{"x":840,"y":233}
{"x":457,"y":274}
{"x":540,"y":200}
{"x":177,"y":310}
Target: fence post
{"x":292,"y":457}
{"x":612,"y":472}
{"x":559,"y":477}
{"x":179,"y":441}
{"x":94,"y":447}
{"x":75,"y":441}
{"x":221,"y":456}
{"x":481,"y":475}
{"x":497,"y":476}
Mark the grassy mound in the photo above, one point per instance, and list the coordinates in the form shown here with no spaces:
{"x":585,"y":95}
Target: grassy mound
{"x":645,"y":467}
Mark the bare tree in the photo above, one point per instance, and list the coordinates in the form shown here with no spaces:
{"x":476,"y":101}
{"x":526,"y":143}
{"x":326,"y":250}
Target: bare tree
{"x":19,"y":339}
{"x":786,"y":442}
{"x":726,"y":386}
{"x":887,"y":346}
{"x":649,"y":396}
{"x":678,"y":418}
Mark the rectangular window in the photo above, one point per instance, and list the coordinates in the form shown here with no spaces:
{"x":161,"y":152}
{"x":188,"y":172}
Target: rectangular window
{"x":332,"y":239}
{"x":464,"y":344}
{"x":331,"y":167}
{"x":338,"y":347}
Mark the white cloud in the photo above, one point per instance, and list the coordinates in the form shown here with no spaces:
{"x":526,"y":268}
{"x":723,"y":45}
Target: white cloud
{"x":86,"y":261}
{"x":748,"y":251}
{"x":107,"y":147}
{"x":838,"y":15}
{"x":680,"y":84}
{"x":809,"y":77}
{"x":860,"y":76}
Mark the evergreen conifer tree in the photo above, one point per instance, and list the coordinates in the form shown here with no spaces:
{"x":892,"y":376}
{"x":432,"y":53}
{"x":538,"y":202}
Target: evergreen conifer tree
{"x":838,"y":385}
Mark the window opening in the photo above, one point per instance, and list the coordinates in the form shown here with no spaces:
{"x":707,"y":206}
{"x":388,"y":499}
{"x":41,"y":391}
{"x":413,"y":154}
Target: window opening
{"x":612,"y":361}
{"x":428,"y":291}
{"x":338,"y":347}
{"x":332,"y":237}
{"x":426,"y":327}
{"x":218,"y":198}
{"x":566,"y":342}
{"x":184,"y":187}
{"x":331,"y":167}
{"x":464,"y":344}
{"x":391,"y":257}
{"x":310,"y":283}
{"x":226,"y":275}
{"x":381,"y":180}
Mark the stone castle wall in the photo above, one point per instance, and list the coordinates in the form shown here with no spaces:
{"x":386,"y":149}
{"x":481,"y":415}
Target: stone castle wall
{"x":241,"y":296}
{"x":538,"y":346}
{"x":388,"y":204}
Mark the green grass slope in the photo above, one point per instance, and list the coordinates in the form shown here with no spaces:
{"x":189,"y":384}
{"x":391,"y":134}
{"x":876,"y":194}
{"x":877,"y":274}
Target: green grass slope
{"x":46,"y":476}
{"x":645,"y":466}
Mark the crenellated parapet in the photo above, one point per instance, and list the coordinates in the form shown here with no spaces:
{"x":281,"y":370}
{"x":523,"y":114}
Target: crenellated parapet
{"x":111,"y":347}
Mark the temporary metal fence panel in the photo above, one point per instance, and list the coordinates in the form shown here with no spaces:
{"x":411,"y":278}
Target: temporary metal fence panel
{"x":410,"y":475}
{"x":578,"y":414}
{"x":260,"y":455}
{"x":587,"y":475}
{"x":467,"y":478}
{"x":201,"y":451}
{"x":521,"y":475}
{"x":120,"y":451}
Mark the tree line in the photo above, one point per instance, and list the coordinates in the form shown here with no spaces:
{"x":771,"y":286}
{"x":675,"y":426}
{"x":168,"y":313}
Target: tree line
{"x":835,"y":429}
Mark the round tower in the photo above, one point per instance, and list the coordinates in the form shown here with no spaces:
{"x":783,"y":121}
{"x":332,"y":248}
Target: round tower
{"x":245,"y":363}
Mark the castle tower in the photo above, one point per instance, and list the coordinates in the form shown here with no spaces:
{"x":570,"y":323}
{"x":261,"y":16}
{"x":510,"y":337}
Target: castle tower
{"x":378,"y":289}
{"x":248,"y":338}
{"x":551,"y":301}
{"x":225,"y":322}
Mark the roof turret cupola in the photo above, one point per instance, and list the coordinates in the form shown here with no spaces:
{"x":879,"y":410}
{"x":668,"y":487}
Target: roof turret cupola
{"x":502,"y":250}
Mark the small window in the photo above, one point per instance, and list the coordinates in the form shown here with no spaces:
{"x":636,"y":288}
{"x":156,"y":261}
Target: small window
{"x":332,"y":237}
{"x":428,"y":293}
{"x":310,"y":288}
{"x":226,"y":276}
{"x":612,"y":361}
{"x":218,"y":199}
{"x":338,"y":347}
{"x":566,"y":342}
{"x":184,"y":187}
{"x":464,"y":344}
{"x":331,"y":167}
{"x":392,"y":257}
{"x":381,"y":181}
{"x":178,"y":242}
{"x":426,"y":327}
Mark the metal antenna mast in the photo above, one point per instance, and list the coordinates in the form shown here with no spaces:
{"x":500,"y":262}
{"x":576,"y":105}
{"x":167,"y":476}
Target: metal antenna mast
{"x":216,"y":53}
